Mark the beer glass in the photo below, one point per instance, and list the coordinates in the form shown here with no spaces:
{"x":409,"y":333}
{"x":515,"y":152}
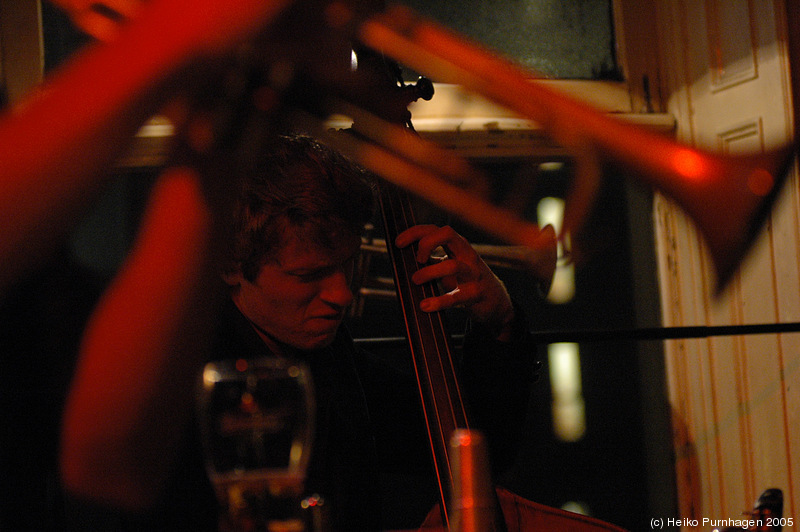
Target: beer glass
{"x":257,"y":424}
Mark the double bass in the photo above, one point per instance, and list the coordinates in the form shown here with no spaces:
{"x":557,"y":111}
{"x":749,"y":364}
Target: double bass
{"x":431,"y":348}
{"x":440,"y":393}
{"x":427,"y":335}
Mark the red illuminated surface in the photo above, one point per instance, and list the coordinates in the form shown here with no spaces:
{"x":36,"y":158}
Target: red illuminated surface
{"x":137,"y":352}
{"x":760,"y":182}
{"x":688,"y":163}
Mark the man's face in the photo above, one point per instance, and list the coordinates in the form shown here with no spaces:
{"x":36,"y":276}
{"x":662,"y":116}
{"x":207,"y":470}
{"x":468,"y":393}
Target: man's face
{"x":301,"y":297}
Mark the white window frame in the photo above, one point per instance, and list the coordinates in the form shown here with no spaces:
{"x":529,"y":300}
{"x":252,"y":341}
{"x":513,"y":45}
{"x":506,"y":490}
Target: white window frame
{"x":470,"y":125}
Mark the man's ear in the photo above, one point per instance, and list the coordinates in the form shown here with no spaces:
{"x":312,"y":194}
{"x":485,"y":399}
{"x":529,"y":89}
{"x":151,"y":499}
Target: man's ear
{"x":232,"y":278}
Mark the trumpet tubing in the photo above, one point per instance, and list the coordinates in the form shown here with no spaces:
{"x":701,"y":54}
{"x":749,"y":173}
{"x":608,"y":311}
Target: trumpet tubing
{"x":728,"y":197}
{"x":539,"y":261}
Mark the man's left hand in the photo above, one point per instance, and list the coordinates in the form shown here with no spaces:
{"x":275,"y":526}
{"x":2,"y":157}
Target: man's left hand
{"x":465,"y":277}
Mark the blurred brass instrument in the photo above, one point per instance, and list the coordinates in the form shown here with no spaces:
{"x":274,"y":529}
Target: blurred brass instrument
{"x":727,"y":197}
{"x":300,"y":71}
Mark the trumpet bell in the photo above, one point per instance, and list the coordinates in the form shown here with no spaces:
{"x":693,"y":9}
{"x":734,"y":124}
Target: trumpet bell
{"x":729,"y":198}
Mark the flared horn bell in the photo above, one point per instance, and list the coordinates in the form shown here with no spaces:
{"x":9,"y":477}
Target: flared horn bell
{"x":727,"y":196}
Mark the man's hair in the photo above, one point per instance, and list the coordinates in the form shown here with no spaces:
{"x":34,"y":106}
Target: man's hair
{"x":301,"y":184}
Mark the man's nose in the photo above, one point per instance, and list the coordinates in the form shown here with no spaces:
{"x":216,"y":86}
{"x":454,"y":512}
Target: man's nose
{"x":337,"y":290}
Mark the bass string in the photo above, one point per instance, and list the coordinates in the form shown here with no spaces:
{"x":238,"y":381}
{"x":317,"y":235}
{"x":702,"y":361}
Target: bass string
{"x":434,"y":365}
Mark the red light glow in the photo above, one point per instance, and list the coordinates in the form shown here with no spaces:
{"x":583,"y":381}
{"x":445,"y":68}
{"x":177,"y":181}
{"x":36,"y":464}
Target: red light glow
{"x":688,"y":163}
{"x":760,"y":182}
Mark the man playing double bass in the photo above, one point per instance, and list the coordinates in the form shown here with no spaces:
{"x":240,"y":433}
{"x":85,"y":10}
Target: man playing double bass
{"x":295,"y":236}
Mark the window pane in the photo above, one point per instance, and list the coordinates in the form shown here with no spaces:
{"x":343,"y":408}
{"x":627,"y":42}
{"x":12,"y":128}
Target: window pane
{"x":566,"y":39}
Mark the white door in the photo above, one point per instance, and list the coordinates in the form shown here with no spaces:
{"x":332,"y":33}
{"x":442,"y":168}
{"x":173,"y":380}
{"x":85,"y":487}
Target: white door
{"x":734,"y":399}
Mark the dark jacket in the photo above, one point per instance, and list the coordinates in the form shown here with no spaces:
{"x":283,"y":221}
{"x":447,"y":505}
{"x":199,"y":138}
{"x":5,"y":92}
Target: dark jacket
{"x":370,"y":460}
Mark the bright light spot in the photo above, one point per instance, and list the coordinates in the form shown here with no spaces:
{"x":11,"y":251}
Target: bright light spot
{"x":296,"y":454}
{"x":210,"y":376}
{"x":688,"y":163}
{"x":310,"y":502}
{"x":576,"y":507}
{"x":551,"y":166}
{"x":569,"y":415}
{"x":551,"y":211}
